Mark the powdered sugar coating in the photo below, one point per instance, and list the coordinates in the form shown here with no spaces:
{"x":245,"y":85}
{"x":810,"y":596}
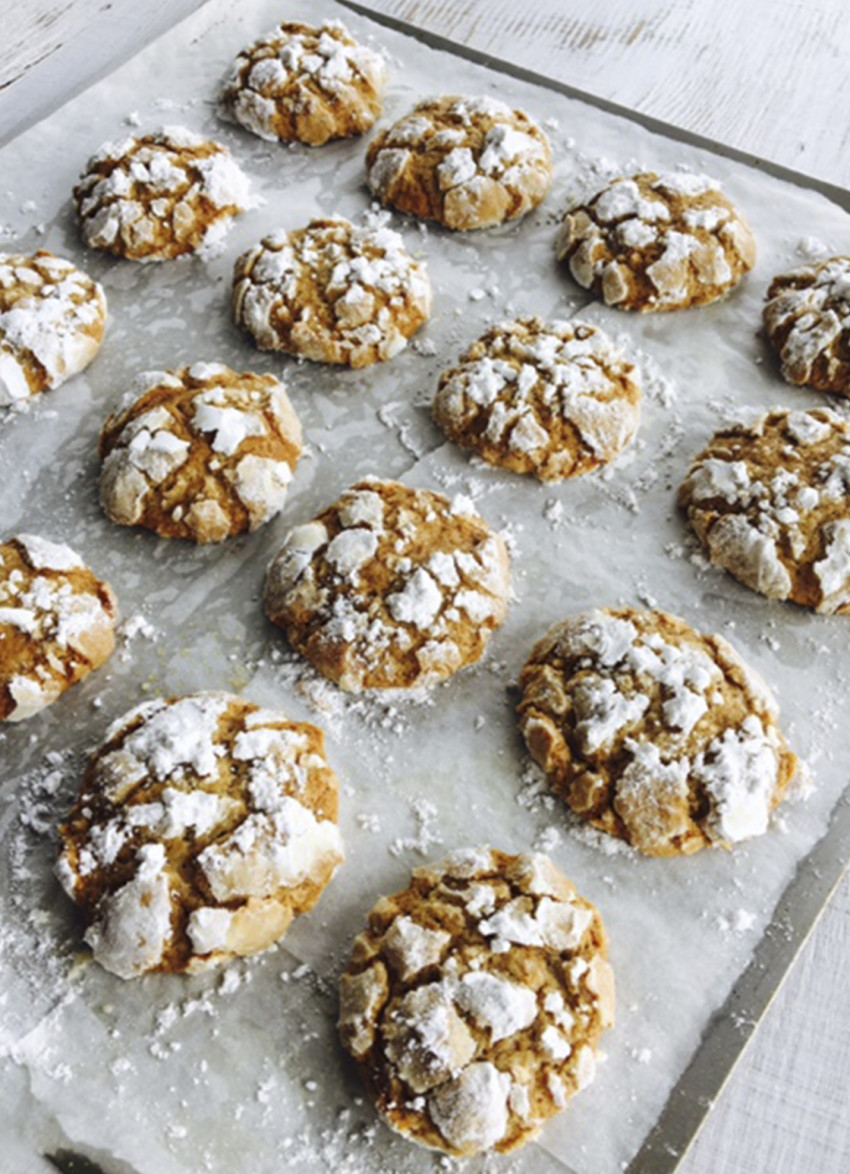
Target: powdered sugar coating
{"x":203,"y":826}
{"x":807,"y":319}
{"x":52,"y":320}
{"x":657,"y":242}
{"x":160,"y":196}
{"x":200,"y":452}
{"x":466,"y":162}
{"x":462,"y":1054}
{"x":770,"y":501}
{"x":390,"y":587}
{"x":57,"y":623}
{"x":305,"y":84}
{"x":556,"y":399}
{"x":654,"y":733}
{"x":332,"y":292}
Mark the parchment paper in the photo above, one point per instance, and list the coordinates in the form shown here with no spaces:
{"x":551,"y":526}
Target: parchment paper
{"x":241,"y":1069}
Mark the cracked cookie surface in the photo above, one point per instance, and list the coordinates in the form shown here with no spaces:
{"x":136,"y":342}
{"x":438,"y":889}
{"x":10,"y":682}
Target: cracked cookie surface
{"x":654,"y":733}
{"x":555,"y":399}
{"x":807,"y":319}
{"x":474,"y":1002}
{"x":204,"y":825}
{"x":657,"y":242}
{"x":201,"y":452}
{"x":465,"y":162}
{"x":390,"y":587}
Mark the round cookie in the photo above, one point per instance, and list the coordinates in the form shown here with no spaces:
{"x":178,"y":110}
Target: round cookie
{"x":807,"y":319}
{"x":475,"y":1001}
{"x":657,"y":242}
{"x":654,"y":733}
{"x":555,"y":399}
{"x":204,"y":825}
{"x":160,"y":196}
{"x":52,"y":319}
{"x":57,"y":623}
{"x":770,"y":502}
{"x":304,"y":84}
{"x":200,"y":452}
{"x":465,"y":162}
{"x":332,"y":292}
{"x":390,"y":587}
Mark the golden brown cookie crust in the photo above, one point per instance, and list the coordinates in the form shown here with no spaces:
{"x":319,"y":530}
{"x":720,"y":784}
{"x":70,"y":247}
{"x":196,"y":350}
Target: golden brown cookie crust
{"x":332,"y":292}
{"x":652,"y":732}
{"x":474,"y":1002}
{"x":390,"y":587}
{"x":201,"y":452}
{"x":57,"y":622}
{"x":770,"y":502}
{"x":304,"y":84}
{"x":657,"y":242}
{"x":160,"y":196}
{"x":52,"y":320}
{"x":464,"y":162}
{"x":554,"y":399}
{"x":203,"y":826}
{"x":807,"y":319}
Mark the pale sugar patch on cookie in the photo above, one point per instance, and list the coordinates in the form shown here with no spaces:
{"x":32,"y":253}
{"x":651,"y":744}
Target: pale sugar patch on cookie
{"x":475,"y":1001}
{"x":332,"y":292}
{"x":303,"y":84}
{"x":807,"y":319}
{"x":204,"y":825}
{"x":654,"y":733}
{"x":390,"y":587}
{"x":57,"y":623}
{"x":160,"y":196}
{"x":201,"y":452}
{"x":555,"y":399}
{"x":465,"y":162}
{"x":770,"y":502}
{"x":657,"y":242}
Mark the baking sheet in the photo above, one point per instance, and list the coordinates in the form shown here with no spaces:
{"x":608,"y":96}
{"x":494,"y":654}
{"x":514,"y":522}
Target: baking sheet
{"x":241,"y":1069}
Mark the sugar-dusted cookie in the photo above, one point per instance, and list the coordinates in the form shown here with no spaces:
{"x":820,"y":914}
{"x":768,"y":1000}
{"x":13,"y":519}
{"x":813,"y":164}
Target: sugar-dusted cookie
{"x":204,"y":825}
{"x":556,"y":399}
{"x":390,"y":587}
{"x":653,"y":732}
{"x":160,"y":196}
{"x":332,"y":292}
{"x":305,"y":84}
{"x":200,"y":452}
{"x":57,"y":623}
{"x":52,"y":319}
{"x":770,"y":501}
{"x":658,"y":242}
{"x":475,"y":1001}
{"x":807,"y":319}
{"x":465,"y":162}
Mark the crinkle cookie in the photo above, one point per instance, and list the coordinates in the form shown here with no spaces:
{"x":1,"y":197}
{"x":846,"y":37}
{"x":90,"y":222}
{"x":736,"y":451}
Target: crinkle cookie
{"x":465,"y":162}
{"x":57,"y":623}
{"x":204,"y":825}
{"x":653,"y":732}
{"x":658,"y":242}
{"x":555,"y":399}
{"x":390,"y":587}
{"x":475,"y":1001}
{"x":770,"y":501}
{"x":52,"y":319}
{"x":201,"y":453}
{"x":160,"y":196}
{"x":332,"y":292}
{"x":807,"y":319}
{"x":304,"y":84}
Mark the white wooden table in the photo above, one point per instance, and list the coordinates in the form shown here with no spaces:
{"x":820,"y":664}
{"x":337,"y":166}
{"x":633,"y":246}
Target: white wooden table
{"x":769,"y":79}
